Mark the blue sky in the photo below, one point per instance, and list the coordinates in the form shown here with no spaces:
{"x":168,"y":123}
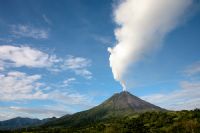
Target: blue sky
{"x":54,"y":60}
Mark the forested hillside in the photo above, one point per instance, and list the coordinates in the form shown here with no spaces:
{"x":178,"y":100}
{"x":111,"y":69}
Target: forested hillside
{"x":149,"y":122}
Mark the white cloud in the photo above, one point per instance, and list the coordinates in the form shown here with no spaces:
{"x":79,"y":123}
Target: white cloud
{"x":16,"y":86}
{"x":9,"y":112}
{"x":1,"y":68}
{"x":190,"y":85}
{"x":187,"y":97}
{"x":19,"y":87}
{"x":18,"y":56}
{"x":193,"y":69}
{"x":5,"y":115}
{"x":103,"y":39}
{"x":69,"y":98}
{"x":77,"y":62}
{"x":84,"y":72}
{"x":79,"y":65}
{"x":46,"y":19}
{"x":67,"y":82}
{"x":29,"y":31}
{"x":39,"y":111}
{"x":6,"y":40}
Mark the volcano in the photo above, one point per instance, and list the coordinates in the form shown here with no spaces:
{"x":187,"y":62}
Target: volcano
{"x":125,"y":101}
{"x":119,"y":105}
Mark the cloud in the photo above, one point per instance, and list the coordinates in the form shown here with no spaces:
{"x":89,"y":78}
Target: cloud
{"x":39,"y":111}
{"x":6,"y":40}
{"x":142,"y":25}
{"x":19,"y":86}
{"x":29,"y":32}
{"x":77,"y":62}
{"x":1,"y":67}
{"x":16,"y":86}
{"x":79,"y":65}
{"x":103,"y":39}
{"x":9,"y":112}
{"x":69,"y":98}
{"x":18,"y":56}
{"x":67,"y":82}
{"x":187,"y":97}
{"x":190,"y":85}
{"x":47,"y":20}
{"x":5,"y":115}
{"x":193,"y":69}
{"x":84,"y":72}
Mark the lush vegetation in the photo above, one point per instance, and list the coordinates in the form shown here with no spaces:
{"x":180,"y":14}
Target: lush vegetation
{"x":149,"y":122}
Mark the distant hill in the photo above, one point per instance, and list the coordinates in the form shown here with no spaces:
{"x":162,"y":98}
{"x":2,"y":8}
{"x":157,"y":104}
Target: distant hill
{"x":20,"y":122}
{"x":119,"y":105}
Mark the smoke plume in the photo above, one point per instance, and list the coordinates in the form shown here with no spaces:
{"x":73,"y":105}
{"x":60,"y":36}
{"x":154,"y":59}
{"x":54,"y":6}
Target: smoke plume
{"x":142,"y":24}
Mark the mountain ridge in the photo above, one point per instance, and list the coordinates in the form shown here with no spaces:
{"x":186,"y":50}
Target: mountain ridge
{"x":22,"y":122}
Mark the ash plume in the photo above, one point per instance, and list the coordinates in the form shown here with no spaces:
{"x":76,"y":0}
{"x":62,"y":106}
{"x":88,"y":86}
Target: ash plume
{"x":141,"y":26}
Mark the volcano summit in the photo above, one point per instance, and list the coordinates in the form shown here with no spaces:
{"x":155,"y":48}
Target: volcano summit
{"x":127,"y":102}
